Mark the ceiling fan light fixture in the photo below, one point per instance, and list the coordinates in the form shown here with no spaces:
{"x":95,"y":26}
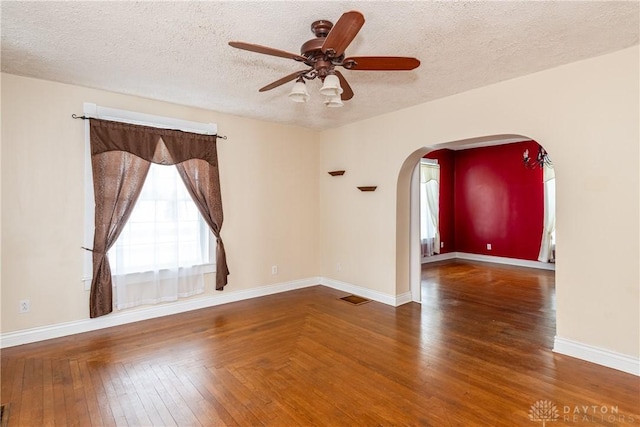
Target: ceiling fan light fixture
{"x":333,"y":101}
{"x":299,"y":92}
{"x":331,"y":86}
{"x":323,"y":54}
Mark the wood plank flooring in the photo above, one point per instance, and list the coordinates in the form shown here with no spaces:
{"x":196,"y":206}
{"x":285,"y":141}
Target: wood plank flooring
{"x":477,"y":352}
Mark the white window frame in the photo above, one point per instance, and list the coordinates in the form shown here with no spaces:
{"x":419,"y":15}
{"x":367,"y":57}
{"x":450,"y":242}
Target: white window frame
{"x":94,"y":111}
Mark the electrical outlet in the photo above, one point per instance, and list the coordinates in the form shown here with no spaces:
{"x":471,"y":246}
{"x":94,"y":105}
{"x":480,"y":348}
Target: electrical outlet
{"x":442,"y":244}
{"x":274,"y":269}
{"x":24,"y":306}
{"x":488,"y":246}
{"x":339,"y":266}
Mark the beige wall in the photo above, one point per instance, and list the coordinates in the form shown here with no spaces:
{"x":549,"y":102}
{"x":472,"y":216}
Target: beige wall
{"x":281,"y":206}
{"x":586,"y":114}
{"x":269,"y":192}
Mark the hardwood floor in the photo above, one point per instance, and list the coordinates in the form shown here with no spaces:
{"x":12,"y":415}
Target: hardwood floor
{"x":476,"y":353}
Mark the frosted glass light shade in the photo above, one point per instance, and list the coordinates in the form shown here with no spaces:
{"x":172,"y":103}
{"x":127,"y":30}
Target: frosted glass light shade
{"x":331,"y":86}
{"x":299,"y":92}
{"x":333,"y":101}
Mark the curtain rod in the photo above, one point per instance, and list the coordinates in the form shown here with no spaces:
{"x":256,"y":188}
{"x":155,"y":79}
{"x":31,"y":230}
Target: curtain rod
{"x":75,"y":116}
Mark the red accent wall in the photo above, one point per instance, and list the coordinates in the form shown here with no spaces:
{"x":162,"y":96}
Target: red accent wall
{"x":488,"y":196}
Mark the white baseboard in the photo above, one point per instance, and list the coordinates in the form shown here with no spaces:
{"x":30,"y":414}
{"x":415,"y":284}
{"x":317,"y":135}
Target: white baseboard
{"x":491,"y":259}
{"x":601,"y":356}
{"x":439,"y":257}
{"x":58,"y":330}
{"x":403,"y":299}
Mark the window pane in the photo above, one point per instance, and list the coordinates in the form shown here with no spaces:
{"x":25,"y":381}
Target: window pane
{"x":189,"y":254}
{"x":143,"y":211}
{"x":187,"y":211}
{"x":167,"y":255}
{"x":165,"y":229}
{"x":139,"y":233}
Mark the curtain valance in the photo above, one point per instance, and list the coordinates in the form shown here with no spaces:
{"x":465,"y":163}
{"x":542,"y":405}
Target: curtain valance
{"x":163,"y":146}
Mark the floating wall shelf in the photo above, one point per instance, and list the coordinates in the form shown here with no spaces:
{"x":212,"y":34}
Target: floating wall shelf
{"x":336,"y":173}
{"x":370,"y":188}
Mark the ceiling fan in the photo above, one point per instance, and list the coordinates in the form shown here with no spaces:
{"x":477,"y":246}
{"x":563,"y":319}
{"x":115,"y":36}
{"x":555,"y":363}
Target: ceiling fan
{"x":323,"y":54}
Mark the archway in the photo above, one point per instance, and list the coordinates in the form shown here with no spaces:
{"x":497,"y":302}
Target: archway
{"x":408,"y":258}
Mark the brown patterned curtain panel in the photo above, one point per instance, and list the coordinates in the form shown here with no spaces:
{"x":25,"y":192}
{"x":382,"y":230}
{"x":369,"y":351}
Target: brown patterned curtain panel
{"x":121,"y":155}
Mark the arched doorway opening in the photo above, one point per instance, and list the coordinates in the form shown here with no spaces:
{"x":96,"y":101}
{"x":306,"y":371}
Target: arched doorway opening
{"x":409,"y":248}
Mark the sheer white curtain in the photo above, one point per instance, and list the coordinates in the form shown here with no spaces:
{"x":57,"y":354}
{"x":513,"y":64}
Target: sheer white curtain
{"x":161,"y":254}
{"x":429,"y":207}
{"x":547,"y":245}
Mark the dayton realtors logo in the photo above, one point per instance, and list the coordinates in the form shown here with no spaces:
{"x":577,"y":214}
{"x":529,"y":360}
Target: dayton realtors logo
{"x":546,"y":411}
{"x":595,"y":413}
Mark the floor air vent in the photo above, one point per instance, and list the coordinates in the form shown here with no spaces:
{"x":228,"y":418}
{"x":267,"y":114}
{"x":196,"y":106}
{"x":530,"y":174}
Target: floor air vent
{"x":355,"y":300}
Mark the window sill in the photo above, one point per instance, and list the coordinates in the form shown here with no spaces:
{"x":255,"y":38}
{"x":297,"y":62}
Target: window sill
{"x":206,"y":269}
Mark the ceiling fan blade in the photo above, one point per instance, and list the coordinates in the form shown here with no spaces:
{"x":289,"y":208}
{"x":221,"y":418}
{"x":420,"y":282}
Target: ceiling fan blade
{"x":381,"y":63}
{"x":347,"y":92}
{"x":343,"y":33}
{"x":281,"y":81}
{"x":266,"y":50}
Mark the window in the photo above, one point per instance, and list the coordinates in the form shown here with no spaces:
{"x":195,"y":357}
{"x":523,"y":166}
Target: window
{"x":166,"y":246}
{"x":548,"y":243}
{"x":429,"y":207}
{"x":165,"y":229}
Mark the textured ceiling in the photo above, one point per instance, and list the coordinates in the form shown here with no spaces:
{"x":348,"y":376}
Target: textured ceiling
{"x":178,"y":52}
